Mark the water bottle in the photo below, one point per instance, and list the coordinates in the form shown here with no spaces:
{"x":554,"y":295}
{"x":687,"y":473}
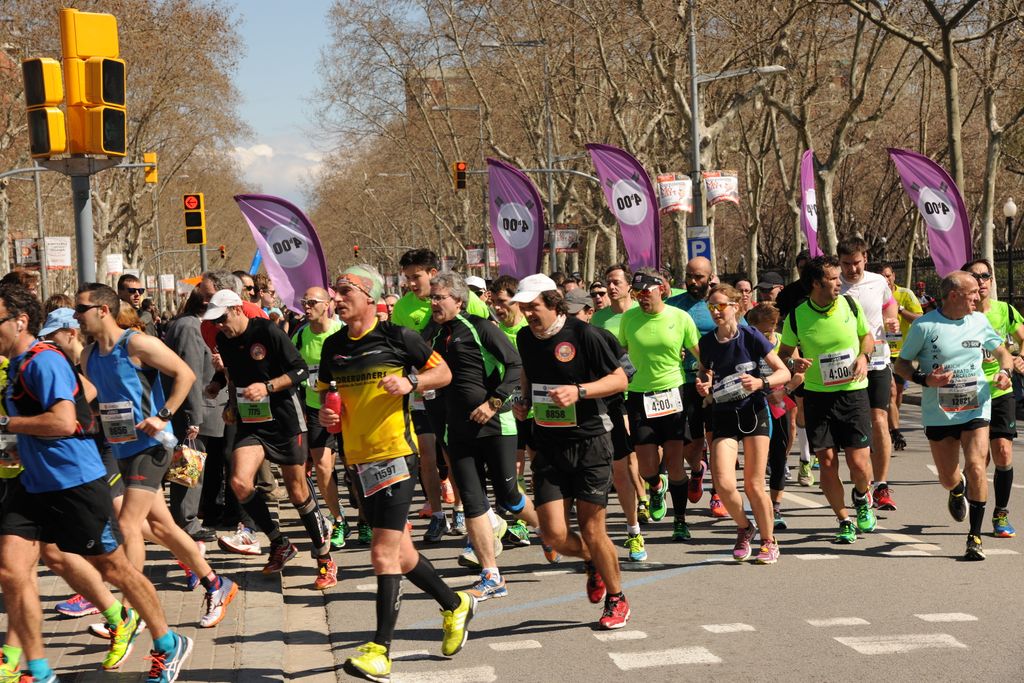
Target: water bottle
{"x":332,"y":401}
{"x":167,"y":439}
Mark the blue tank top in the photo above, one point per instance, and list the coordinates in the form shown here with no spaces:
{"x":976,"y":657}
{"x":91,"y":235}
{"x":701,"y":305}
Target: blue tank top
{"x":127,"y":394}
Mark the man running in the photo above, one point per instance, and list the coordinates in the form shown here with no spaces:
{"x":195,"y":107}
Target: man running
{"x":908,"y":309}
{"x":375,"y":367}
{"x":567,"y":366}
{"x":949,"y":346}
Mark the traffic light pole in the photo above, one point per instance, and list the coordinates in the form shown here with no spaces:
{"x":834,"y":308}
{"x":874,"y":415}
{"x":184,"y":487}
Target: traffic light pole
{"x":85,"y":247}
{"x":202,"y":258}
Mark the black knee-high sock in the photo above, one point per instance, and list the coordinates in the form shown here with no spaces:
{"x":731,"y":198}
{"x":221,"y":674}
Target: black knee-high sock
{"x":316,"y":526}
{"x":679,"y":491}
{"x":257,"y":508}
{"x":977,"y":515}
{"x":1002,"y":482}
{"x":654,"y":481}
{"x":389,"y":601}
{"x":426,"y":578}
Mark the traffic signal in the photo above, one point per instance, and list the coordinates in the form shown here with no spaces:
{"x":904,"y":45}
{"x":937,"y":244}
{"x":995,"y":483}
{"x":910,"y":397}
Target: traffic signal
{"x":195,"y":218}
{"x":44,"y":91}
{"x":96,"y":83}
{"x":459,"y":174}
{"x":223,"y":252}
{"x":355,"y":251}
{"x":149,"y":158}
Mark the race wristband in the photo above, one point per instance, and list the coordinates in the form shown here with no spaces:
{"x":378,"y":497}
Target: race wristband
{"x":920,"y":377}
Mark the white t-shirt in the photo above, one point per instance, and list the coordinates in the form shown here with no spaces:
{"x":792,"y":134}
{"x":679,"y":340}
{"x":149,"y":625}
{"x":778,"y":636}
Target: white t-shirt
{"x":873,"y":293}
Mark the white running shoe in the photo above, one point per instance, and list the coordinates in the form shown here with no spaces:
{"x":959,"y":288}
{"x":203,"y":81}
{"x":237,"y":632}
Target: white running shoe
{"x":242,"y":542}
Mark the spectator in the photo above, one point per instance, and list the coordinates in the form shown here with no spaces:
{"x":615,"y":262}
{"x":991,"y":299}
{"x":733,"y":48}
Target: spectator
{"x":56,"y":301}
{"x":769,"y":287}
{"x":131,"y":291}
{"x":926,"y":300}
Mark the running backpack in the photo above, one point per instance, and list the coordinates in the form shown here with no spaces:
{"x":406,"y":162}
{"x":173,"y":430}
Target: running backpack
{"x":28,"y":403}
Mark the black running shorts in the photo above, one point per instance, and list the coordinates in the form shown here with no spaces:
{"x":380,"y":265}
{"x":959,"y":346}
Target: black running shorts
{"x":78,"y":520}
{"x":277,"y":449}
{"x":145,"y":469}
{"x":1003,"y":424}
{"x":579,"y":469}
{"x":879,"y":388}
{"x":839,"y":419}
{"x":954,"y":431}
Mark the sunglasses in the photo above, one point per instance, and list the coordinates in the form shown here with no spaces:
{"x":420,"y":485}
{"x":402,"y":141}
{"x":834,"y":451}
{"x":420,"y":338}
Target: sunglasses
{"x":721,"y":307}
{"x":250,"y":288}
{"x":8,"y":318}
{"x":310,"y":303}
{"x":83,"y":308}
{"x":135,"y":290}
{"x":601,"y":292}
{"x":440,"y":297}
{"x":982,"y":277}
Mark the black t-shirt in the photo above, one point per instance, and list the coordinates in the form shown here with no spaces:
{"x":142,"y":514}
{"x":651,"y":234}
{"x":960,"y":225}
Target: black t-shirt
{"x":789,"y":298}
{"x":615,"y":402}
{"x":263,"y":352}
{"x":576,"y":355}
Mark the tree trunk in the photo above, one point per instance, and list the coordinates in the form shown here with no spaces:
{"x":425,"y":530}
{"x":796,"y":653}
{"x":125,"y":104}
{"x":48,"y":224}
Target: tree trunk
{"x":951,"y":81}
{"x":826,"y":213}
{"x":752,"y":235}
{"x":5,"y":229}
{"x":591,"y":262}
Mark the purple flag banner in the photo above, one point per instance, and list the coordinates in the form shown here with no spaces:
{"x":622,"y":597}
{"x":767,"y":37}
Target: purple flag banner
{"x":288,"y":243}
{"x":517,"y":220}
{"x":938,"y":199}
{"x":809,"y":203}
{"x":630,"y":196}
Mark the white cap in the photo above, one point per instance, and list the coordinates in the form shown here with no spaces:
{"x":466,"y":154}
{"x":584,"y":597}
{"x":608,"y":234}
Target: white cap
{"x":532,"y":286}
{"x":476,"y":281}
{"x":220,"y":303}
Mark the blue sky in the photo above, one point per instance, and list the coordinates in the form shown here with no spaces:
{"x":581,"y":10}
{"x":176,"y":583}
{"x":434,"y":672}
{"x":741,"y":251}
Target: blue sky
{"x":277,"y":78}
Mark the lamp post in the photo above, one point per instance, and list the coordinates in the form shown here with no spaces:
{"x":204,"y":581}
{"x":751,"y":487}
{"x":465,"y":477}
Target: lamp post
{"x":1009,"y":212}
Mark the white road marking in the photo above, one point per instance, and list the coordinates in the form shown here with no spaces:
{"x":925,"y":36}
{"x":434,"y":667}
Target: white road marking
{"x":946,"y":616}
{"x":476,"y":674}
{"x":838,"y":621}
{"x":410,"y":655}
{"x":613,"y":636}
{"x":727,"y":628}
{"x":803,"y":502}
{"x":511,"y":645}
{"x":1000,"y":551}
{"x":934,"y":469}
{"x":679,"y":655}
{"x":553,"y":572}
{"x":891,"y":645}
{"x":815,"y":556}
{"x":366,"y":587}
{"x":905,"y":538}
{"x":908,"y":552}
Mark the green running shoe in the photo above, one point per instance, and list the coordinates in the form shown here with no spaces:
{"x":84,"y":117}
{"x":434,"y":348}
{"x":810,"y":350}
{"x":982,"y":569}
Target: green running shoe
{"x":659,"y":504}
{"x":365,"y":533}
{"x":455,"y":624}
{"x":518,"y":534}
{"x":680,"y":532}
{"x":637,"y":551}
{"x":338,"y":533}
{"x":847,"y":532}
{"x":805,"y":477}
{"x":866,"y":521}
{"x":122,"y":640}
{"x":373,"y":665}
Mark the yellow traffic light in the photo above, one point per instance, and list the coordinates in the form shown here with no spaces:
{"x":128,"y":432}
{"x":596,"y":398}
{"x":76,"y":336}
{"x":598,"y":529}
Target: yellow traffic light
{"x":44,"y":91}
{"x":459,"y":174}
{"x":195,"y":218}
{"x":149,"y":158}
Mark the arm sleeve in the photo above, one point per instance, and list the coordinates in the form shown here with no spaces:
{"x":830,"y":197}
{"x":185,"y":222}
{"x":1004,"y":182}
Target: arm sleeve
{"x":498,"y":344}
{"x":913,"y":342}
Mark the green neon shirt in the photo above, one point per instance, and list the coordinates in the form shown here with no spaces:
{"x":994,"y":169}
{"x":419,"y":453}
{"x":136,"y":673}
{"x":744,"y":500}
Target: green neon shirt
{"x":654,"y":342}
{"x":828,"y":336}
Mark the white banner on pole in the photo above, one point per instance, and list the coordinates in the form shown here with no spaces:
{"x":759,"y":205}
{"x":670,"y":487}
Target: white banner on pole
{"x":151,"y":282}
{"x":166,"y":282}
{"x":567,"y":241}
{"x":675,"y":193}
{"x":721,"y":186}
{"x":115,"y":264}
{"x":58,"y":253}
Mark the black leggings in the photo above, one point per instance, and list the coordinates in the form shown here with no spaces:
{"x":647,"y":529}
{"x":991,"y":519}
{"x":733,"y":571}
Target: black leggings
{"x":490,"y":455}
{"x":777,"y":452}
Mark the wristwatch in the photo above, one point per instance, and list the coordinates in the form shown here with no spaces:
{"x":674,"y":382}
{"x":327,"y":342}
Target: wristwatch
{"x":414,"y":380}
{"x":3,"y":423}
{"x":583,"y":392}
{"x":495,"y":403}
{"x":269,"y":384}
{"x":165,"y":414}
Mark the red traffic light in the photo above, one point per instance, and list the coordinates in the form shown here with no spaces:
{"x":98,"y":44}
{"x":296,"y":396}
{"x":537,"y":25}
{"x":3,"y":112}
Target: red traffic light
{"x":192,"y":202}
{"x":460,"y":166}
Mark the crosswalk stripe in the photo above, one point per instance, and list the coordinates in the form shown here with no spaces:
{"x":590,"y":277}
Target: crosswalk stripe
{"x":511,"y":645}
{"x":803,"y":502}
{"x":674,"y":657}
{"x":946,"y":616}
{"x":908,"y":552}
{"x":899,"y":644}
{"x":1000,"y":551}
{"x":553,"y":572}
{"x":838,"y":621}
{"x":727,"y":628}
{"x":476,"y":674}
{"x":613,"y":636}
{"x":814,"y":556}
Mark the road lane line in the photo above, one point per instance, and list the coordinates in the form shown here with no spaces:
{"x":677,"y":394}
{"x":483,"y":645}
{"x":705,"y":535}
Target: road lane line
{"x":803,"y":502}
{"x":727,"y":628}
{"x":674,"y":657}
{"x":614,"y":636}
{"x":814,"y":556}
{"x":900,"y":644}
{"x":946,"y":616}
{"x":476,"y":674}
{"x":838,"y":621}
{"x":1000,"y":551}
{"x":553,"y":572}
{"x":511,"y":645}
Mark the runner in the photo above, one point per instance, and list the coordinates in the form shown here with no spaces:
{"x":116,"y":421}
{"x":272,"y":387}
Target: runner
{"x":730,"y":371}
{"x":909,"y":310}
{"x":1008,"y":323}
{"x":949,"y":347}
{"x":123,"y":365}
{"x":263,"y":369}
{"x":62,"y":497}
{"x":320,"y":324}
{"x":872,"y":293}
{"x":835,"y":345}
{"x":656,"y":335}
{"x":375,"y":366}
{"x":566,"y":368}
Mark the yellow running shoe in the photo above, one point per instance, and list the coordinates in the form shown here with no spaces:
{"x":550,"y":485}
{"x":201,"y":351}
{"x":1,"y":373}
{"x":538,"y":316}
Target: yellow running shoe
{"x":456,"y":624}
{"x":373,"y":665}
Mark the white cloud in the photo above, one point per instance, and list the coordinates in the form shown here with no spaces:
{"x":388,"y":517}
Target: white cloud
{"x":282,"y":166}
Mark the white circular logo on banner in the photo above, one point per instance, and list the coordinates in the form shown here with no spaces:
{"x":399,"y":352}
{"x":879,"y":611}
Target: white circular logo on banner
{"x":936,"y":209}
{"x":628,"y":202}
{"x":515,"y":223}
{"x":289,"y":249}
{"x":811,"y":208}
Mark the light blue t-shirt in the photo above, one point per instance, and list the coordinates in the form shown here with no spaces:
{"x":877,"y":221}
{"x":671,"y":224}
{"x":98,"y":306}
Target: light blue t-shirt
{"x":956,"y":345}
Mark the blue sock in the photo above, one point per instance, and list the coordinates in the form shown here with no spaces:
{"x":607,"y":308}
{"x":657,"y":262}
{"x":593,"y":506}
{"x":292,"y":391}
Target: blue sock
{"x":166,"y":642}
{"x":39,"y":668}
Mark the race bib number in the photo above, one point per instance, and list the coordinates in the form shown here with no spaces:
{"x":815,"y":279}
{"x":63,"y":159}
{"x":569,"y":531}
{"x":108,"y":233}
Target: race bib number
{"x":836,"y":367}
{"x":879,"y":356}
{"x":251,"y":412}
{"x":118,"y":420}
{"x":894,"y":337}
{"x":959,"y":395}
{"x":662,"y":403}
{"x":375,"y":476}
{"x":546,"y":413}
{"x":729,"y":388}
{"x":416,"y":401}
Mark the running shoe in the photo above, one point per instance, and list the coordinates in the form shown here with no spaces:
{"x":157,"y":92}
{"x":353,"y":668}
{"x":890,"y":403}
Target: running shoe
{"x":280,"y":554}
{"x":242,"y":542}
{"x":167,"y":665}
{"x":364,"y":533}
{"x":658,"y":506}
{"x":191,"y":580}
{"x":455,"y":624}
{"x":805,"y":477}
{"x":866,"y":521}
{"x":1001,"y":527}
{"x":326,"y":574}
{"x":741,"y":552}
{"x":437,"y":528}
{"x":815,"y":463}
{"x":769,"y":553}
{"x":847,"y":532}
{"x":680,"y":531}
{"x":102,"y":629}
{"x":695,"y":489}
{"x":518,"y":534}
{"x":716,"y":507}
{"x":77,"y":606}
{"x":447,"y":492}
{"x":550,"y":554}
{"x":637,"y":551}
{"x":467,"y":558}
{"x":643,"y":515}
{"x":124,"y":635}
{"x":458,"y":523}
{"x":215,"y":603}
{"x":488,"y":587}
{"x":974,"y":552}
{"x":616,"y":612}
{"x":596,"y":590}
{"x":339,"y":532}
{"x":957,"y":502}
{"x":883,"y":498}
{"x":204,"y":534}
{"x":899,"y":442}
{"x":373,"y":665}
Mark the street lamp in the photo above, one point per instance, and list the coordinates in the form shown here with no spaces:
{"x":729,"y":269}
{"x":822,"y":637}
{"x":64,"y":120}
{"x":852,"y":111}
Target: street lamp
{"x":1009,"y":212}
{"x":548,"y":130}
